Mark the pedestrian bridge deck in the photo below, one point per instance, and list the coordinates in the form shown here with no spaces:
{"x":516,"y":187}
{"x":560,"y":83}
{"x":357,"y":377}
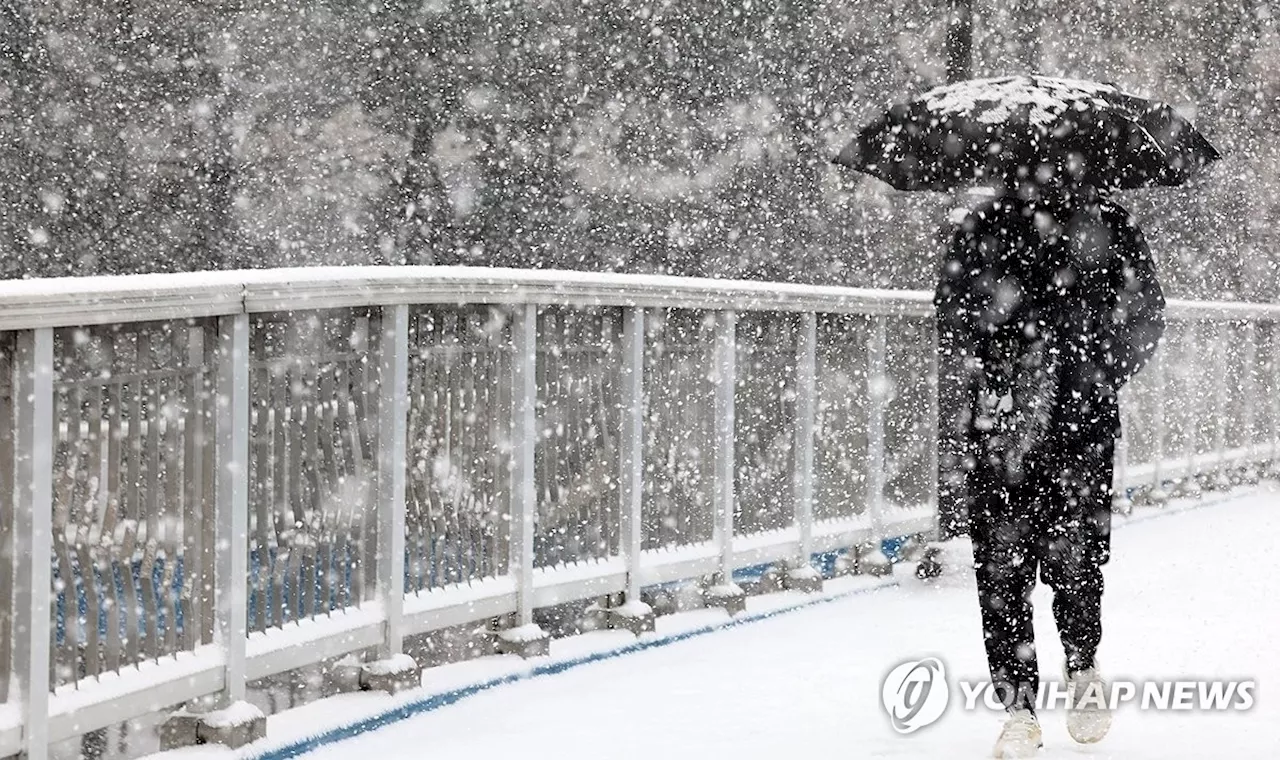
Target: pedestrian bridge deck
{"x":1186,"y":599}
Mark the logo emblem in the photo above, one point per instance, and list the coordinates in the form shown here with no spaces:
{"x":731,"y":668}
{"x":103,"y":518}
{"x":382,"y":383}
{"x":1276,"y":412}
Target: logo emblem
{"x":915,"y":694}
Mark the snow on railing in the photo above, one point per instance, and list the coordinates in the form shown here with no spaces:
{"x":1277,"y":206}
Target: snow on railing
{"x":211,"y":478}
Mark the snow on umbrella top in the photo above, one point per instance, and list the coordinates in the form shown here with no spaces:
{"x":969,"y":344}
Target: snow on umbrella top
{"x":1011,"y":130}
{"x":992,"y":101}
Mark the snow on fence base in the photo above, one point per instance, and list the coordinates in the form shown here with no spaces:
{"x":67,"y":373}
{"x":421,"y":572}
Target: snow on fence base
{"x":233,"y":726}
{"x":681,"y":429}
{"x":426,"y":700}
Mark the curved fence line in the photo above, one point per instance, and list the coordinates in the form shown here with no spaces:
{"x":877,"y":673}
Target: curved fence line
{"x":212,"y":478}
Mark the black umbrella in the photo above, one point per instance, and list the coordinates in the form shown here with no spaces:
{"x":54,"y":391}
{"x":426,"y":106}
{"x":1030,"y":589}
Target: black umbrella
{"x":1011,"y":130}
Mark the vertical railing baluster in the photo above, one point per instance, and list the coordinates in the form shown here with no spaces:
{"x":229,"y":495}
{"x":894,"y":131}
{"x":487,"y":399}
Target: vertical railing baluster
{"x":725,"y":593}
{"x":393,"y":407}
{"x":208,"y":500}
{"x":231,"y":507}
{"x":528,"y":639}
{"x":86,"y":544}
{"x":33,"y":534}
{"x":365,"y":437}
{"x":110,"y":549}
{"x":194,"y":514}
{"x":7,"y":554}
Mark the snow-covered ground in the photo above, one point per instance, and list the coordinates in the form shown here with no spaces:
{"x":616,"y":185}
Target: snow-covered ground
{"x":1190,"y":595}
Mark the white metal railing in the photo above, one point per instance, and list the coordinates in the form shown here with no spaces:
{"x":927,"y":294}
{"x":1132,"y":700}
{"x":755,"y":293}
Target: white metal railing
{"x":224,"y":476}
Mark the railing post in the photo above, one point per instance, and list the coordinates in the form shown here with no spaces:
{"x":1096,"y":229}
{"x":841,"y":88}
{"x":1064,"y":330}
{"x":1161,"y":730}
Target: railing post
{"x":234,"y":722}
{"x":32,"y":534}
{"x":1120,"y":501}
{"x":935,"y":420}
{"x":1158,"y":494}
{"x":1190,"y":485}
{"x":526,"y":638}
{"x":725,"y":593}
{"x":231,"y":507}
{"x":393,"y":404}
{"x":871,"y":559}
{"x":634,"y":615}
{"x":393,"y":671}
{"x":802,"y":576}
{"x":1273,"y":391}
{"x":1220,"y":479}
{"x":1250,"y":466}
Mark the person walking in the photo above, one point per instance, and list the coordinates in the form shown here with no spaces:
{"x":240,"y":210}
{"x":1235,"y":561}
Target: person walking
{"x":1047,"y":304}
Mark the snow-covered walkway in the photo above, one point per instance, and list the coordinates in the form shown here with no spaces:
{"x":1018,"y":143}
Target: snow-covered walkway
{"x":1191,"y":594}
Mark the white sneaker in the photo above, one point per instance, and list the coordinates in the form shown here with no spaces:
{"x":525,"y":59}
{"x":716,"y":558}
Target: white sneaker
{"x":1088,"y":714}
{"x":1020,"y":736}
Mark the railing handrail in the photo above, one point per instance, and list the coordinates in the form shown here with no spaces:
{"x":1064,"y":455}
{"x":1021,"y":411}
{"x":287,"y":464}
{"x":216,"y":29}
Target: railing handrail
{"x":73,"y":301}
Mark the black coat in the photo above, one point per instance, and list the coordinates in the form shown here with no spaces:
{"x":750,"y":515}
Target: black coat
{"x":1045,"y":310}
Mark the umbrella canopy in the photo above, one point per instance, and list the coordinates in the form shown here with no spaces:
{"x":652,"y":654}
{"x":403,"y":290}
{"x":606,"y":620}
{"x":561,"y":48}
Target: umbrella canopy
{"x":1015,"y":130}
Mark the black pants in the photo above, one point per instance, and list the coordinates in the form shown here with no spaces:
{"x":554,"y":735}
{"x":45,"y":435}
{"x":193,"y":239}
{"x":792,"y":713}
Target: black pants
{"x":1057,"y":520}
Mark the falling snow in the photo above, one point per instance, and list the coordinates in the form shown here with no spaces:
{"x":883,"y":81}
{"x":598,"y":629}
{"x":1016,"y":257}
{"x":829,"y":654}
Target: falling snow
{"x":560,"y":451}
{"x":687,"y":138}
